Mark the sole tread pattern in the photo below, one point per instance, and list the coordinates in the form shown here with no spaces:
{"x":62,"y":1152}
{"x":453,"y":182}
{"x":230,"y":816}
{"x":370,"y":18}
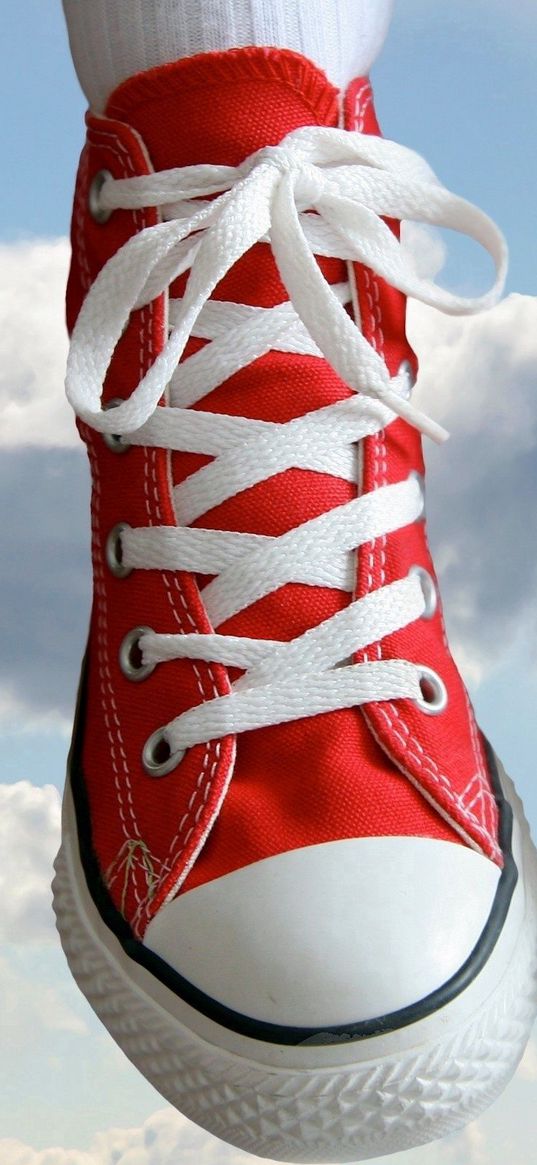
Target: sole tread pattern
{"x":349,"y":1114}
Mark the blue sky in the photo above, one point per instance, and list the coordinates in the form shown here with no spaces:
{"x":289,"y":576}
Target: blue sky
{"x":456,"y":81}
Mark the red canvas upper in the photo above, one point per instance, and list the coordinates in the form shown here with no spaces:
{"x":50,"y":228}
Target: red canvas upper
{"x":388,"y":770}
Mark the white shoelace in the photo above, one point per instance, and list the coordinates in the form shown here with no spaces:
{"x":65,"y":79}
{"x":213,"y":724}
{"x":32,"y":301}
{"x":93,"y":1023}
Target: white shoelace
{"x":321,"y":192}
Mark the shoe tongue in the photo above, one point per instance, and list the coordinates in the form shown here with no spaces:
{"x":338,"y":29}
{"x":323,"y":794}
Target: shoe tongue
{"x":218,"y":109}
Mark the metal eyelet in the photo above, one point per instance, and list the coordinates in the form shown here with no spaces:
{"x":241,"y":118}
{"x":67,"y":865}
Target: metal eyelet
{"x":415,"y":476}
{"x":99,"y":213}
{"x":114,"y":551}
{"x":157,"y":757}
{"x":428,"y":586}
{"x":130,"y":655}
{"x":434,"y":697}
{"x":114,"y":441}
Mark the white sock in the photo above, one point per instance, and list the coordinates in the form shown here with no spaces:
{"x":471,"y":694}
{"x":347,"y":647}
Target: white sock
{"x":113,"y":39}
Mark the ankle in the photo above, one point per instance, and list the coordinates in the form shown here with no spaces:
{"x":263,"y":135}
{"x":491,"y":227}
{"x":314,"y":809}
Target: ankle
{"x":110,"y":42}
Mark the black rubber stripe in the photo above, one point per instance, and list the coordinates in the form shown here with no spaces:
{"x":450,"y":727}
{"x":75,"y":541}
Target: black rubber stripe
{"x":257,"y":1029}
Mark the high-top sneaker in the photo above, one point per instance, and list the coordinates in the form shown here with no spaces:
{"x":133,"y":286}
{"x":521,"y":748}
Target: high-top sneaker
{"x":294,"y":882}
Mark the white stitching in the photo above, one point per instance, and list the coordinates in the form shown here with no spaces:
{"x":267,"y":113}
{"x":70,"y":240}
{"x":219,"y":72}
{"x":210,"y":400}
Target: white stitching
{"x":100,"y":138}
{"x":146,"y":350}
{"x":360,"y":109}
{"x":79,"y":220}
{"x":104,"y":669}
{"x":153,"y":506}
{"x":117,"y":864}
{"x":424,"y":762}
{"x":173,"y":853}
{"x":104,"y":140}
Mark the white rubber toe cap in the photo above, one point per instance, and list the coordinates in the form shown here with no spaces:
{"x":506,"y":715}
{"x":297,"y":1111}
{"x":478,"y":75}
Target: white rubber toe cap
{"x":330,"y":934}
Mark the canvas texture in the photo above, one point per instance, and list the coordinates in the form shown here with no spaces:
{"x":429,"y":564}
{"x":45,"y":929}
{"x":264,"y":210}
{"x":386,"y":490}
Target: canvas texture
{"x":386,"y":769}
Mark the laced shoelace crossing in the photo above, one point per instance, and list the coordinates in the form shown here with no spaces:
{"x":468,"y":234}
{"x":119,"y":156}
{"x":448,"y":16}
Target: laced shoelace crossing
{"x":321,"y":192}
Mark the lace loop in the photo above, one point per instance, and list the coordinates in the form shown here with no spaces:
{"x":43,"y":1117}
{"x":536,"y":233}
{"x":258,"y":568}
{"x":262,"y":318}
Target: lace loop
{"x":351,"y":179}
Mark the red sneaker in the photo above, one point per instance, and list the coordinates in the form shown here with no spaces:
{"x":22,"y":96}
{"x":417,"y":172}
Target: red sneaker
{"x":290,"y":883}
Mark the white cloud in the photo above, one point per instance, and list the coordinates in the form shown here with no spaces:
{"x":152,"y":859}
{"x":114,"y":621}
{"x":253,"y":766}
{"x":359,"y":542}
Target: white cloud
{"x":165,"y":1139}
{"x":45,"y":583}
{"x":33,"y":344}
{"x":424,"y":247}
{"x":477,"y":376}
{"x":29,"y":838}
{"x":14,"y":710}
{"x":66,"y":1076}
{"x":528,"y":1065}
{"x":478,"y":373}
{"x":45,"y":580}
{"x":503,"y":1134}
{"x":32,"y":1010}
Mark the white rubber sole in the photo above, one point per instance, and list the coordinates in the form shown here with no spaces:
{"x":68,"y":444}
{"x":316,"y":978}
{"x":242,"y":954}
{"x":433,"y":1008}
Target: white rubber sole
{"x":335,"y":1103}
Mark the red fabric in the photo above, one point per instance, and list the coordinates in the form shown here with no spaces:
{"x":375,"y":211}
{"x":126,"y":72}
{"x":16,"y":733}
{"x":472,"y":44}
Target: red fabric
{"x":443,"y":755}
{"x":292,"y":785}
